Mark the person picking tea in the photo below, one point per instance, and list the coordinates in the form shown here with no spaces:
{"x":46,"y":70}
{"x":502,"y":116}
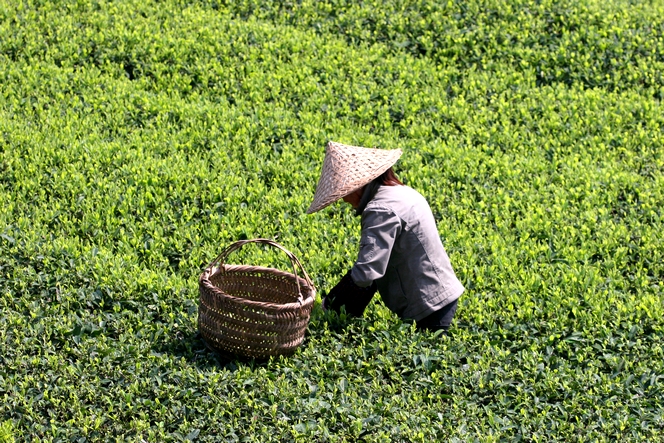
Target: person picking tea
{"x":400,"y":254}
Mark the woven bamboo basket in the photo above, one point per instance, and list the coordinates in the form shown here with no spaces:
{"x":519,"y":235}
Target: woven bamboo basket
{"x":254,"y":311}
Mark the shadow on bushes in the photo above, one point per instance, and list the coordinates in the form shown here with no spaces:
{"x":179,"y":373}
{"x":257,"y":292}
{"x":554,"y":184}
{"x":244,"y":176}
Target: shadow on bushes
{"x":191,"y":347}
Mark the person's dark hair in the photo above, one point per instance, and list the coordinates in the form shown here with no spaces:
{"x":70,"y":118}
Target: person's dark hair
{"x":389,"y":178}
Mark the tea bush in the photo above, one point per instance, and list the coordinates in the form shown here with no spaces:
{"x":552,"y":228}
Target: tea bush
{"x":139,"y":138}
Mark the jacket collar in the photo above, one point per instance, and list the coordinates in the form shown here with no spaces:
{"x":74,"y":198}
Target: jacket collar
{"x":369,"y":193}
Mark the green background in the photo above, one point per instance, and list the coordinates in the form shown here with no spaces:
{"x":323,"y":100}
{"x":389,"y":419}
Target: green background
{"x":139,"y":138}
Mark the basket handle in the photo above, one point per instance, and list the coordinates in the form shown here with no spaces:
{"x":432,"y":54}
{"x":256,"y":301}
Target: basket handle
{"x":221,"y":258}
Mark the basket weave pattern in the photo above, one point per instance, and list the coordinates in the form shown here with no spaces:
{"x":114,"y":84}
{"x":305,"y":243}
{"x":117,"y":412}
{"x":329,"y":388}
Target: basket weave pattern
{"x":254,"y":311}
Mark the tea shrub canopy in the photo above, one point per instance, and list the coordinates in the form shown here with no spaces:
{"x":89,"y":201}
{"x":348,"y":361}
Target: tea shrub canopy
{"x":139,"y":138}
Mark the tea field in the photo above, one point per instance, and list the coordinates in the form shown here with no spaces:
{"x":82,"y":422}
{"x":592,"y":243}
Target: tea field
{"x":139,"y":138}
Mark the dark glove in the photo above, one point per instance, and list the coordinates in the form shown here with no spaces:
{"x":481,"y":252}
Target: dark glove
{"x":347,"y":293}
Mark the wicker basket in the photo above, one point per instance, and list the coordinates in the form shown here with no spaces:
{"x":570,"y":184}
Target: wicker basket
{"x":253,"y":311}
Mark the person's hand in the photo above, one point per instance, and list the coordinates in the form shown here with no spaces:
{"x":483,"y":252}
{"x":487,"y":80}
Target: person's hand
{"x":346,"y":293}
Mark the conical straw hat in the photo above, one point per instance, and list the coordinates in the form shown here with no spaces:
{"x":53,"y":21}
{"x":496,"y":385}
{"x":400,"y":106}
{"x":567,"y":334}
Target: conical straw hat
{"x":348,"y":168}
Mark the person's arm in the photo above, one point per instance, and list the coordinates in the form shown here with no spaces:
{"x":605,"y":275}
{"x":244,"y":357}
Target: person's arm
{"x":356,"y":289}
{"x":347,"y":294}
{"x":380,"y":228}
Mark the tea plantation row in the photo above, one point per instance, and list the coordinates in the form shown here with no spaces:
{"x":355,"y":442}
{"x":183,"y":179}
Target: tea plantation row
{"x":139,"y":138}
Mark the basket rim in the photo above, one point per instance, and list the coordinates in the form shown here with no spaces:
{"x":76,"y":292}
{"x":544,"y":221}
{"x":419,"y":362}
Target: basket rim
{"x":308,"y":293}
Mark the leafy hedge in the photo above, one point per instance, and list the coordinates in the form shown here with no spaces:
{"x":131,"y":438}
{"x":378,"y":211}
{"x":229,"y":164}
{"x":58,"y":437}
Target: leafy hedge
{"x":614,"y":45}
{"x":139,"y":138}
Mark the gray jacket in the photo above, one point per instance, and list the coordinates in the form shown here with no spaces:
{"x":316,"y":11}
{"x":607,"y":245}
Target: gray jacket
{"x":401,"y":250}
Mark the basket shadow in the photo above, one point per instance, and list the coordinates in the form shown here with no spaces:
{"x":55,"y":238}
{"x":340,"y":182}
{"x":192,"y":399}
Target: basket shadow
{"x":191,"y":347}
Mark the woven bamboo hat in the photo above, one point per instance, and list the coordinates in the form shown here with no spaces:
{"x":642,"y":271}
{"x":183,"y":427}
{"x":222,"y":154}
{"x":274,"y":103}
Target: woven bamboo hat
{"x":348,"y":168}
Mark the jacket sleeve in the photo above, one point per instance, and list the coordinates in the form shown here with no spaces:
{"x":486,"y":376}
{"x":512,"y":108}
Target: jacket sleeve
{"x":380,"y":228}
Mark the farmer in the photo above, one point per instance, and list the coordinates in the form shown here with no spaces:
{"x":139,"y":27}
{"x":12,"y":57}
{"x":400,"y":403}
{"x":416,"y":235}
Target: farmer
{"x":401,"y":254}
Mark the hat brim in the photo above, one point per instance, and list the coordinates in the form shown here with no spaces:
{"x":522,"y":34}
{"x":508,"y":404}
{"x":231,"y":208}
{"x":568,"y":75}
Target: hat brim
{"x":348,"y":168}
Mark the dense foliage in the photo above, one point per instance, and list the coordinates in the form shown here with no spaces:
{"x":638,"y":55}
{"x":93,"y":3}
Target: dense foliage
{"x":138,"y":138}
